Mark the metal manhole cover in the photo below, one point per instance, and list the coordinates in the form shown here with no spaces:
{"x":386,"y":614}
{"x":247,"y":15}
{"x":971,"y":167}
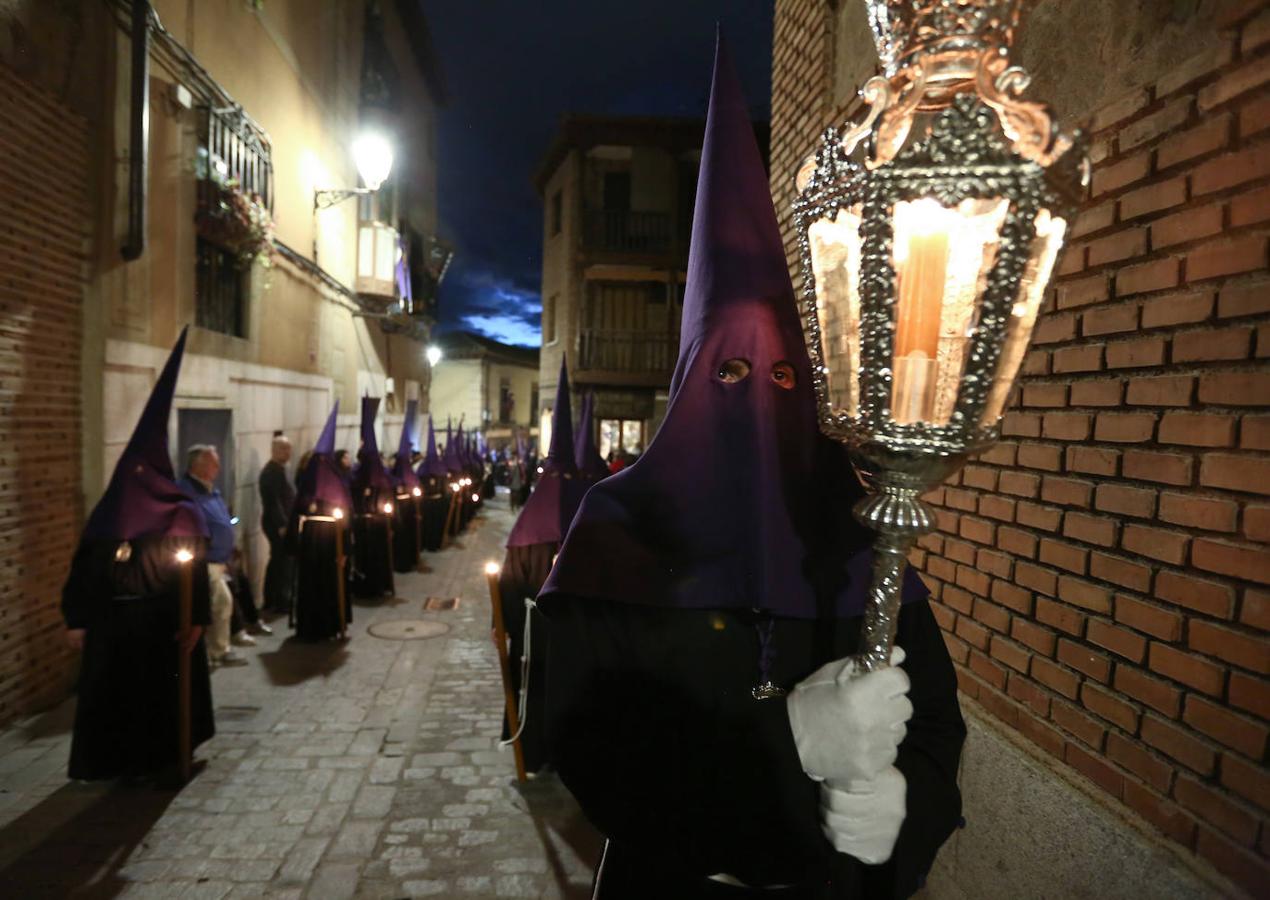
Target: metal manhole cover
{"x":441,"y":603}
{"x":407,"y":629}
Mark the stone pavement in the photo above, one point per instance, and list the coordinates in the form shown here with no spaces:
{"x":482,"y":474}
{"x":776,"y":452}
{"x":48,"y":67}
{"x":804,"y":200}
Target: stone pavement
{"x":368,"y":769}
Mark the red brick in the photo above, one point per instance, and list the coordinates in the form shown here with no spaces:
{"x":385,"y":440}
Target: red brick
{"x":1131,"y":242}
{"x":1232,"y":84}
{"x":1254,"y":432}
{"x":1235,"y":472}
{"x":1040,"y":580}
{"x":1197,"y":429}
{"x":1071,"y":260}
{"x":1178,"y":744}
{"x":1166,"y":468}
{"x":1249,"y":693}
{"x":1219,"y":723}
{"x":1096,"y":393}
{"x":958,"y":599}
{"x":1188,"y":225}
{"x":1067,"y":491}
{"x":1092,"y":460}
{"x":1135,"y":353}
{"x":999,"y":454}
{"x":991,"y":615}
{"x":1250,"y":207}
{"x":1063,"y":556}
{"x":1212,"y":133}
{"x":1124,"y":428}
{"x":1148,"y":618}
{"x":1055,"y":677}
{"x":1020,"y":484}
{"x":986,"y":669}
{"x":1020,"y":543}
{"x":966,"y":683}
{"x":1216,"y":809}
{"x":1235,"y":388}
{"x":1054,"y":328}
{"x":1066,"y":426}
{"x":1155,"y":693}
{"x":1114,"y":177}
{"x":960,"y":551}
{"x":1021,"y":424}
{"x":1120,"y":641}
{"x":1209,"y":345}
{"x":1194,"y":511}
{"x":1041,"y":456}
{"x":1109,"y":707}
{"x":1042,"y":518}
{"x":1255,"y":610}
{"x":1109,"y":320}
{"x":1141,"y":762}
{"x":1177,"y":309}
{"x":1075,"y":722}
{"x":1194,"y":593}
{"x":1161,"y":813}
{"x":1010,"y":653}
{"x":1091,"y":529}
{"x":1235,"y":647}
{"x":1231,"y":169}
{"x":1059,"y":616}
{"x":1167,"y":390}
{"x":1155,"y":543}
{"x":1186,"y":668}
{"x":1129,"y":501}
{"x":1027,"y":693}
{"x":1012,"y":596}
{"x":1145,"y":277}
{"x":1036,"y":362}
{"x":976,"y":530}
{"x":1085,"y":358}
{"x":967,"y":501}
{"x":981,"y":477}
{"x":1247,"y":780}
{"x":1245,"y":299}
{"x":1120,"y":571}
{"x":995,"y":507}
{"x":1082,"y":659}
{"x":1227,"y":257}
{"x":1152,"y":126}
{"x":1241,"y":866}
{"x":1003,"y":709}
{"x":1095,"y":769}
{"x":1084,"y":291}
{"x":1034,"y":636}
{"x":1222,"y":558}
{"x":1257,"y":524}
{"x":1093,"y":219}
{"x":993,"y":563}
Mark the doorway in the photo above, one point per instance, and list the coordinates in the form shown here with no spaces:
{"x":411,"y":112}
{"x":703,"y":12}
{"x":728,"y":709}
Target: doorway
{"x":208,"y":426}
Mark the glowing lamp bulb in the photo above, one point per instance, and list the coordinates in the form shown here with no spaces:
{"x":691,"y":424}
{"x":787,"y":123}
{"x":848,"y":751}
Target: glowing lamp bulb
{"x":183,"y":556}
{"x":416,"y":492}
{"x":338,"y":513}
{"x":434,"y":355}
{"x":540,"y":470}
{"x":476,"y":497}
{"x":387,"y":507}
{"x":372,"y":154}
{"x":491,"y":568}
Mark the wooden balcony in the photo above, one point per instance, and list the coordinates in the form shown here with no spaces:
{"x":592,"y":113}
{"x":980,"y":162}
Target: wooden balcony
{"x":628,"y":233}
{"x":626,"y":357}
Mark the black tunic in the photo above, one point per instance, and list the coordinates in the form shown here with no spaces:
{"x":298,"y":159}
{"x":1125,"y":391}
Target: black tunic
{"x":372,"y":574}
{"x":434,"y":512}
{"x":523,"y":573}
{"x":126,"y":716}
{"x":406,"y":536}
{"x":317,"y":605}
{"x":654,"y":730}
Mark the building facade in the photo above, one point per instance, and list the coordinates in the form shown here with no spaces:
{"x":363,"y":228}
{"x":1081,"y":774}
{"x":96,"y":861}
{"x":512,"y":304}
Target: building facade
{"x":488,"y":386}
{"x":1102,"y":574}
{"x":212,"y":219}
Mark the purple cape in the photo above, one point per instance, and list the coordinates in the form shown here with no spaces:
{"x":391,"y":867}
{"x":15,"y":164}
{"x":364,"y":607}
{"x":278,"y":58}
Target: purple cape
{"x":432,"y":466}
{"x":559,"y":489}
{"x":321,"y":486}
{"x":738,"y":502}
{"x":370,"y":472}
{"x":143,"y":497}
{"x":402,"y":473}
{"x":590,"y":464}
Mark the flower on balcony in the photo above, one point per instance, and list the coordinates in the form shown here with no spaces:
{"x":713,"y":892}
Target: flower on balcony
{"x":231,"y":217}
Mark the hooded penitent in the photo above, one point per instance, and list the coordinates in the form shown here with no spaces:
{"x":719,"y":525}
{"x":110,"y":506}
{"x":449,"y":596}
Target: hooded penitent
{"x":142,"y":497}
{"x":590,"y":464}
{"x":738,"y":502}
{"x":321,"y":487}
{"x":559,"y":489}
{"x":371,"y":474}
{"x":453,"y":464}
{"x":402,"y":473}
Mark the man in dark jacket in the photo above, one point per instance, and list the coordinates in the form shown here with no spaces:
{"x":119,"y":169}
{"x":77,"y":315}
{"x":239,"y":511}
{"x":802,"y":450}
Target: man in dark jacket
{"x":277,"y":496}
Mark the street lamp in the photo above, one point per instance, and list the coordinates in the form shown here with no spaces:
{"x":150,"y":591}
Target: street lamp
{"x":373,"y":157}
{"x":927,"y":233}
{"x":434,"y":355}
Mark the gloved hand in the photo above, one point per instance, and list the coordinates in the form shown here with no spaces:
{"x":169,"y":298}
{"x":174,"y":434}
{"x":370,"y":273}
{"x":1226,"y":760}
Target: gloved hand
{"x":864,"y":820}
{"x":849,"y":728}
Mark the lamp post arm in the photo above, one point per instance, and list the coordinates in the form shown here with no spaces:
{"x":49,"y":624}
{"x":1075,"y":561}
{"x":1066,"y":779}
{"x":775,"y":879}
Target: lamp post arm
{"x":328,"y":198}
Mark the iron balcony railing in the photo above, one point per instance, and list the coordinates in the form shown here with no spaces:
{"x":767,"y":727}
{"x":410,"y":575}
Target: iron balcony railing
{"x":633,"y":352}
{"x":623,"y":231}
{"x":238,"y":151}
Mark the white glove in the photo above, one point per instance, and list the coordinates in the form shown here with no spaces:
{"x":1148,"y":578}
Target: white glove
{"x":849,"y":728}
{"x":864,"y":820}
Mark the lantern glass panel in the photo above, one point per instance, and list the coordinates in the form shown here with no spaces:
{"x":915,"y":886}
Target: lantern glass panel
{"x":1036,"y":275}
{"x":942,"y":257}
{"x":835,"y":261}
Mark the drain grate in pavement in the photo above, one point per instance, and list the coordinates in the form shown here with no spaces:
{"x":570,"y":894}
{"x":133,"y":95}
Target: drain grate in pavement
{"x":435,"y":604}
{"x":407,"y":629}
{"x":236,"y":713}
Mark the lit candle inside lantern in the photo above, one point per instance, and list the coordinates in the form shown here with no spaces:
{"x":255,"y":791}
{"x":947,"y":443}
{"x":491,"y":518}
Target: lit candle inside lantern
{"x":921,"y":260}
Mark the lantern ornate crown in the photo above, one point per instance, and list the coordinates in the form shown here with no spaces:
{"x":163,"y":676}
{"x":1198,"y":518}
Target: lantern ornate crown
{"x":928,"y":231}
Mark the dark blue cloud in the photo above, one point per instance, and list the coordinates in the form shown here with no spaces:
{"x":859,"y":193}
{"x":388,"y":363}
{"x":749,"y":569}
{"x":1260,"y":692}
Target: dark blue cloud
{"x":512,"y":69}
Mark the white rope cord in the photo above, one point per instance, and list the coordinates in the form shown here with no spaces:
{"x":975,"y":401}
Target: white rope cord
{"x":522,"y":710}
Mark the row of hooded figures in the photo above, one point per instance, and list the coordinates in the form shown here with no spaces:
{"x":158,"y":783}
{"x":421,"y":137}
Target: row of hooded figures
{"x":678,"y":635}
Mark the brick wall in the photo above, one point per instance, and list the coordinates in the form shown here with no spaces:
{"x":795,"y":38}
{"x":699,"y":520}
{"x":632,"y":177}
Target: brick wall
{"x":1102,"y":574}
{"x":41,"y":290}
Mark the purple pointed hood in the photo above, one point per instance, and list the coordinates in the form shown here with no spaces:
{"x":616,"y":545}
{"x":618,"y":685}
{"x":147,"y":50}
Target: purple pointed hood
{"x":738,"y":502}
{"x":432,"y":466}
{"x":453,"y":463}
{"x":371,"y":473}
{"x":321,"y":486}
{"x":402,"y":472}
{"x":143,"y":497}
{"x":559,"y":489}
{"x":590,"y":464}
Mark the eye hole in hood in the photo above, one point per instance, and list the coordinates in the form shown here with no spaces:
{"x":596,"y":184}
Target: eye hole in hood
{"x":733,"y":370}
{"x":783,"y":376}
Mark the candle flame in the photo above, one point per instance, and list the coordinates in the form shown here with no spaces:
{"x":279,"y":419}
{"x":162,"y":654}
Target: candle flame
{"x":183,"y":556}
{"x":338,"y":513}
{"x":491,"y":568}
{"x":387,"y":507}
{"x":417,"y":492}
{"x":476,"y":497}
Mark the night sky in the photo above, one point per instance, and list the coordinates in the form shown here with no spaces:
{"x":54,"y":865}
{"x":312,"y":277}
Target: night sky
{"x":512,"y":68}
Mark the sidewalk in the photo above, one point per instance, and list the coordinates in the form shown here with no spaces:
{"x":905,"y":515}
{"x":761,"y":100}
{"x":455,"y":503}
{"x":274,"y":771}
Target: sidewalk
{"x":369,"y":769}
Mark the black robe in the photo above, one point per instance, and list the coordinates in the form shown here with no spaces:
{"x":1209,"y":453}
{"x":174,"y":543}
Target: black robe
{"x":126,"y":716}
{"x":317,"y":605}
{"x":406,"y":538}
{"x":654,"y":729}
{"x":434,"y":512}
{"x":373,"y":572}
{"x":522,"y":576}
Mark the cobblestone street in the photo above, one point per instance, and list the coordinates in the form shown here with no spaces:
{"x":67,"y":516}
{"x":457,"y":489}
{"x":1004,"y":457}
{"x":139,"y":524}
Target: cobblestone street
{"x":366,"y":769}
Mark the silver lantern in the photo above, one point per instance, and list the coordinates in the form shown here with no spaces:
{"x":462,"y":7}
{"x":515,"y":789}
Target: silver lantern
{"x":928,"y":231}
